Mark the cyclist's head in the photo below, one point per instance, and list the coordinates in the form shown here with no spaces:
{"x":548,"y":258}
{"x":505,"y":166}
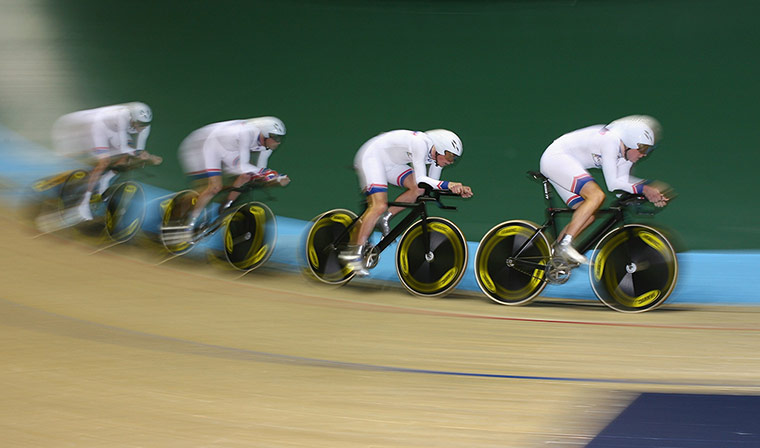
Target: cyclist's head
{"x":271,"y":128}
{"x":140,"y":117}
{"x":446,"y":143}
{"x":637,"y":131}
{"x":140,"y":113}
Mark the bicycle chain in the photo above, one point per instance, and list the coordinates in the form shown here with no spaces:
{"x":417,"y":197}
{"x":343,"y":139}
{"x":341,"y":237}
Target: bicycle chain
{"x":557,"y":271}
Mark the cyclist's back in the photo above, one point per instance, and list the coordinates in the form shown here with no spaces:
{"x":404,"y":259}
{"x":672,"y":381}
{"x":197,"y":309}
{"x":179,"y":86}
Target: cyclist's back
{"x":586,"y":145}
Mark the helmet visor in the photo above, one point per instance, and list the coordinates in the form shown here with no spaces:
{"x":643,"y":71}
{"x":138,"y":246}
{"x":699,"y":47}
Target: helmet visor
{"x":645,"y":149}
{"x":139,"y":125}
{"x":450,"y":156}
{"x":276,"y":137}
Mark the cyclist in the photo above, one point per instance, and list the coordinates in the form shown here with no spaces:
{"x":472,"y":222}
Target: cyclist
{"x":385,"y":159}
{"x":613,"y":148}
{"x":226,"y":147}
{"x":105,"y":136}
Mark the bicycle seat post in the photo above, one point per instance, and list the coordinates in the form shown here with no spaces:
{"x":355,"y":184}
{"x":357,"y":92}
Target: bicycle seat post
{"x":547,"y":190}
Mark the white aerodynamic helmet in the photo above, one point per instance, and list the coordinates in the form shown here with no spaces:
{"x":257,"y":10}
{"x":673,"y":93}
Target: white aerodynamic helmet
{"x":445,"y":140}
{"x":634,"y":130}
{"x":269,"y":126}
{"x":140,"y":112}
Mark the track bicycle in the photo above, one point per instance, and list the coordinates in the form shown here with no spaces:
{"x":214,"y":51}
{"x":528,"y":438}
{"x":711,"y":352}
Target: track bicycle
{"x":431,"y":256}
{"x":121,"y":206}
{"x":249,"y":227}
{"x":633,"y":267}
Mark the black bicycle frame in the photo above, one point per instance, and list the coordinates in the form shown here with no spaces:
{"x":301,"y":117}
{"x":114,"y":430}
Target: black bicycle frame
{"x":217,"y":222}
{"x":589,"y":241}
{"x":615,"y":210}
{"x":418,"y":210}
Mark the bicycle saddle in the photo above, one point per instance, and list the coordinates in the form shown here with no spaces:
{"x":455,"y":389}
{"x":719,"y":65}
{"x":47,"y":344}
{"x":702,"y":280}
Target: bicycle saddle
{"x":537,"y":176}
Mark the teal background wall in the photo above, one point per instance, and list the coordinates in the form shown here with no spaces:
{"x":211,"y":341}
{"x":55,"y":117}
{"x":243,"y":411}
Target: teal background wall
{"x":508,"y":77}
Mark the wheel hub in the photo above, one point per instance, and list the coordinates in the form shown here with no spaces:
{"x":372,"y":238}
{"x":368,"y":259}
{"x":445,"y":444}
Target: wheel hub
{"x":631,"y":268}
{"x":244,"y":237}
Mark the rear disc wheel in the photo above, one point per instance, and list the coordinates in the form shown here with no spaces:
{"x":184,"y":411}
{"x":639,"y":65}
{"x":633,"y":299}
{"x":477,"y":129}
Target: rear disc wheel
{"x":509,"y":277}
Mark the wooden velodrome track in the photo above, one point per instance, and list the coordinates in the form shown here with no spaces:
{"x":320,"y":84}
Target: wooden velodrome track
{"x":110,"y":349}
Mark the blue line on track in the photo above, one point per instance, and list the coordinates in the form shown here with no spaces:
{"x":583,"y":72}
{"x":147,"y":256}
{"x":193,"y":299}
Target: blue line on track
{"x":15,"y":314}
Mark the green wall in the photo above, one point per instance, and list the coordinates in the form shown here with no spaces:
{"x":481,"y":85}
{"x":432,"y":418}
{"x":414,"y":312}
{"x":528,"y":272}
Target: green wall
{"x":507,"y":76}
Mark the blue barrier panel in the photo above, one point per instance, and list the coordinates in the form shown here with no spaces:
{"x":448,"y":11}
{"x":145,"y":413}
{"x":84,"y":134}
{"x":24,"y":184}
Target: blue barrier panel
{"x":706,"y":277}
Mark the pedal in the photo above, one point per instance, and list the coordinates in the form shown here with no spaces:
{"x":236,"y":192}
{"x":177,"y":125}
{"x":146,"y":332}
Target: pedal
{"x":371,"y":257}
{"x":175,"y":228}
{"x":176,"y":235}
{"x":52,"y":222}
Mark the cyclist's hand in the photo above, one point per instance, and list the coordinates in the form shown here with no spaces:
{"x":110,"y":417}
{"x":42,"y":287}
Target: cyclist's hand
{"x":268,"y":175}
{"x":655,"y":196}
{"x":461,"y":190}
{"x":155,"y":160}
{"x":283,"y":180}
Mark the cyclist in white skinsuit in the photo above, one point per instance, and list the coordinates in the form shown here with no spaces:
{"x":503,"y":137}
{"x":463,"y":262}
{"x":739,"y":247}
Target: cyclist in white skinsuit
{"x":104,"y":136}
{"x":226,"y":147}
{"x":385,"y":159}
{"x":614,"y":149}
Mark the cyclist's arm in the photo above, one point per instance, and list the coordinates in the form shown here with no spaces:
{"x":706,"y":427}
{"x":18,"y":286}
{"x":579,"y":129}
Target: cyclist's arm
{"x":123,"y":162}
{"x":140,"y":157}
{"x":617,"y":172}
{"x":268,"y":174}
{"x":247,"y":142}
{"x":244,"y":165}
{"x":261,"y":162}
{"x":142,"y":138}
{"x":245,"y":138}
{"x":434,"y":172}
{"x":123,"y":132}
{"x":419,"y":151}
{"x":139,"y":153}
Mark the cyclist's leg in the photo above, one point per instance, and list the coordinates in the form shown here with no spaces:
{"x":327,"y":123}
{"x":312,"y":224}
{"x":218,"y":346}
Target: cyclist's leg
{"x":97,"y":171}
{"x":74,"y":136}
{"x":202,"y":162}
{"x":583,"y":216}
{"x":377,"y":204}
{"x":353,"y":255}
{"x":592,"y":198}
{"x":402,"y":176}
{"x":212,"y":184}
{"x":579,"y":191}
{"x":405,"y":178}
{"x":372,"y":179}
{"x":371,"y":173}
{"x":240,"y":180}
{"x":84,"y":207}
